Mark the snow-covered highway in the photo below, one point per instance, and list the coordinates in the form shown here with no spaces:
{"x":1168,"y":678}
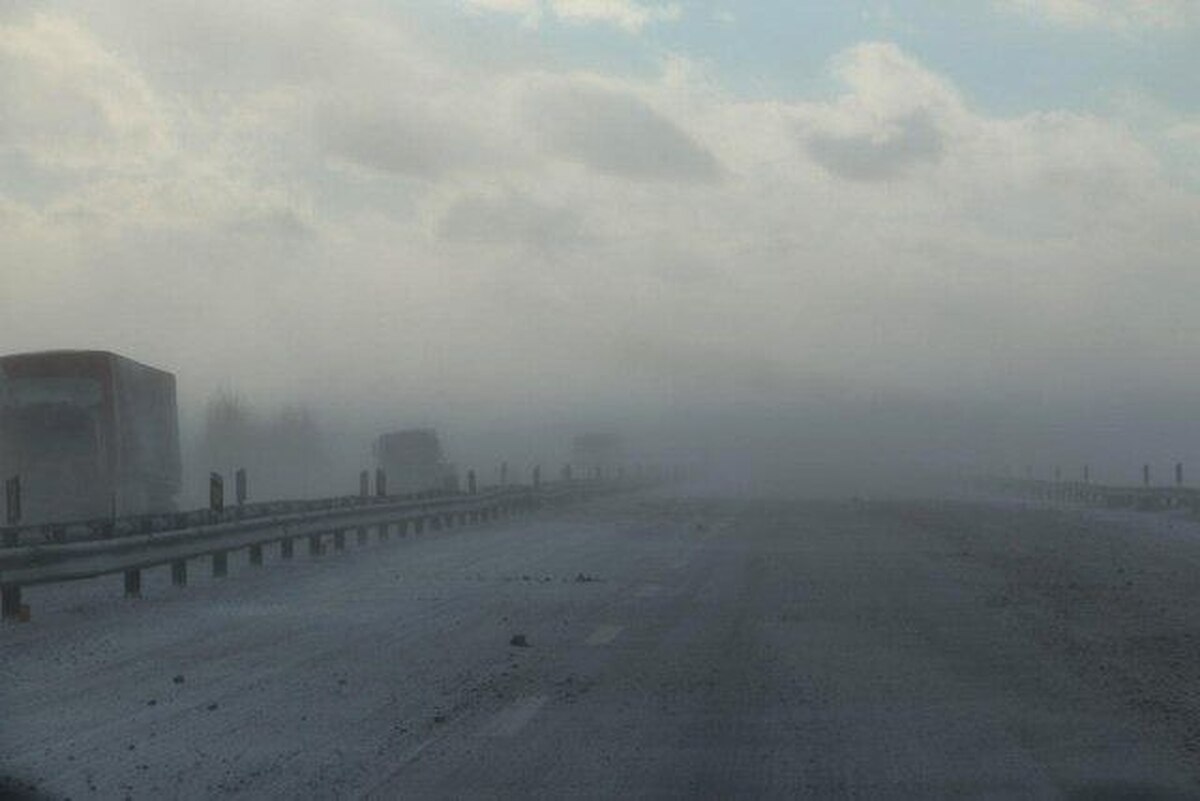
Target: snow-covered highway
{"x":661,"y":646}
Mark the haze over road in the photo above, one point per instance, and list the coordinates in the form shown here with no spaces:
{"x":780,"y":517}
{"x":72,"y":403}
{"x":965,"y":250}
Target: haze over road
{"x":676,"y":647}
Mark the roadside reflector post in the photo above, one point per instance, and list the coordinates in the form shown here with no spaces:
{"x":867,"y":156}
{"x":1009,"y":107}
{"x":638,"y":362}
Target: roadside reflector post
{"x":537,"y":476}
{"x":471,"y":488}
{"x":1087,"y":474}
{"x":216,"y":493}
{"x":1179,"y":474}
{"x":179,"y":572}
{"x":504,"y":474}
{"x":364,"y":485}
{"x":12,"y":497}
{"x":133,"y":583}
{"x":1146,"y":475}
{"x":380,"y":483}
{"x":220,"y":564}
{"x":241,"y":486}
{"x":10,"y":601}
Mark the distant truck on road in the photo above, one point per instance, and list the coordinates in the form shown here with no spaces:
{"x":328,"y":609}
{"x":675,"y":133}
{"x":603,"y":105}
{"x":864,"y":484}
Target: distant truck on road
{"x":413,"y":461}
{"x":90,"y":434}
{"x":597,"y":453}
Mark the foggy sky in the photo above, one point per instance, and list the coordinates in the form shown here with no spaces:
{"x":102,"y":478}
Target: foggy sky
{"x":423,"y":213}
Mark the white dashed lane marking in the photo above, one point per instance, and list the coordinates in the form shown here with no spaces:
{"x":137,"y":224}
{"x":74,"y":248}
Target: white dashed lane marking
{"x":513,"y":718}
{"x":605,"y":634}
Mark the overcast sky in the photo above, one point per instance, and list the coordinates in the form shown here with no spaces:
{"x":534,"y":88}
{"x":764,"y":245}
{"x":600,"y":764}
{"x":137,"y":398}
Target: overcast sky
{"x":545,"y":204}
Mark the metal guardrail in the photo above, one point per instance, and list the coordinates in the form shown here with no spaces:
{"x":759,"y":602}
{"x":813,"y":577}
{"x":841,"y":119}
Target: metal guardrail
{"x":108,"y":528}
{"x":1142,"y":498}
{"x":46,"y":563}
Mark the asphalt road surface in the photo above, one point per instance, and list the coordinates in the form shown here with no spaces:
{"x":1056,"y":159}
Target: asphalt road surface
{"x":650,"y":647}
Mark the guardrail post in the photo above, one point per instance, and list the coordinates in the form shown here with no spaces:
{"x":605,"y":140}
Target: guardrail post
{"x":10,"y":602}
{"x":12,"y":496}
{"x":216,"y":493}
{"x":220,"y":564}
{"x":133,"y":583}
{"x":339,"y":539}
{"x":286,"y":548}
{"x":256,"y":556}
{"x":179,"y":572}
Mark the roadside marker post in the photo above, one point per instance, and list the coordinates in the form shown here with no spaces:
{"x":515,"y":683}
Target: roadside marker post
{"x":12,"y":496}
{"x":216,"y":493}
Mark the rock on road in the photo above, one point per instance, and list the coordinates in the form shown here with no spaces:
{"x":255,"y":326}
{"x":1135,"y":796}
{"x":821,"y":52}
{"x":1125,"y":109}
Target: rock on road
{"x":651,"y":647}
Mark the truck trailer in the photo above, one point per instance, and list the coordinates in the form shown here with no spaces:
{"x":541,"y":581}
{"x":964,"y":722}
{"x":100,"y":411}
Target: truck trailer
{"x":413,"y":462}
{"x":90,"y":434}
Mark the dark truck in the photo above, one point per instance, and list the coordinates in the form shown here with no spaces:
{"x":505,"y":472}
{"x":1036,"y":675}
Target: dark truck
{"x":413,"y":462}
{"x":89,"y":433}
{"x":596,"y":453}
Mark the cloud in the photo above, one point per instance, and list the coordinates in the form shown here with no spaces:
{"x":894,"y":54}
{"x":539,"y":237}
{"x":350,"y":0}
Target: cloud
{"x":403,"y":137}
{"x":614,"y":132}
{"x":490,"y":226}
{"x":628,"y":15}
{"x":507,"y":218}
{"x":1117,"y":15}
{"x":891,"y":120}
{"x":69,"y":103}
{"x":899,"y":144}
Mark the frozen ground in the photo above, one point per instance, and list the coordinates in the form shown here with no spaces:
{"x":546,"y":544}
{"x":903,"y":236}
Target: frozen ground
{"x":677,"y":648}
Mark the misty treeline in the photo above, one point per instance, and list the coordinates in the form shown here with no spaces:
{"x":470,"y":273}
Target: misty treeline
{"x":284,"y":450}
